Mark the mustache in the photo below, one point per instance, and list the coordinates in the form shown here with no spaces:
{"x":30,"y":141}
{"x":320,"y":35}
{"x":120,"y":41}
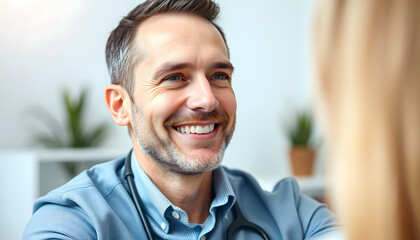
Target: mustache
{"x":211,"y":116}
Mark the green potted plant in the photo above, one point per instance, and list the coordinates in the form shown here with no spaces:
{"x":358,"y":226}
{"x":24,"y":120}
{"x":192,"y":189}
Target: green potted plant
{"x":71,"y":134}
{"x":302,"y":153}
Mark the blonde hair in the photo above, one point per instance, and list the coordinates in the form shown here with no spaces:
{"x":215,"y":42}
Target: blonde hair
{"x":368,"y":64}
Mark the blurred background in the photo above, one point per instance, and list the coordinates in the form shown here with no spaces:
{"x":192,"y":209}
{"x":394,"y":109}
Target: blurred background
{"x":48,"y":47}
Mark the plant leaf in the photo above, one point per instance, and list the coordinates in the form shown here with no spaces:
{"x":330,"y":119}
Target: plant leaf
{"x":73,"y":127}
{"x":74,"y":118}
{"x":301,"y":131}
{"x":49,"y":141}
{"x":52,"y":126}
{"x":97,"y":135}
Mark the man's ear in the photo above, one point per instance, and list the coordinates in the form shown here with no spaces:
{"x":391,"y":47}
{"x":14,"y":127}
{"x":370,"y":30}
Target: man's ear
{"x":118,"y":102}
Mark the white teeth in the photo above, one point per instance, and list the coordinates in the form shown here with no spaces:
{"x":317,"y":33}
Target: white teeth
{"x":196,"y":129}
{"x":206,"y":129}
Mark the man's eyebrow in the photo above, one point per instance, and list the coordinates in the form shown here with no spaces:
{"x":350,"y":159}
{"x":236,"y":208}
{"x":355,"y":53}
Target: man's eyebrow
{"x":172,"y":66}
{"x":223,"y":65}
{"x":169,"y":67}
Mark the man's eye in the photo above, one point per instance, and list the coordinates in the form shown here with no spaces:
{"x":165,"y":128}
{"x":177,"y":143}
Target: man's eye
{"x":173,"y":78}
{"x":220,"y":76}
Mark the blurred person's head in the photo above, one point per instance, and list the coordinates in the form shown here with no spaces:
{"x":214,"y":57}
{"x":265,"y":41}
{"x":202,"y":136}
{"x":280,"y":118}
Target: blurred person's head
{"x":368,"y":64}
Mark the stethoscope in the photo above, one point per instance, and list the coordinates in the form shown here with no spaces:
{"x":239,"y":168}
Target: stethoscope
{"x":239,"y":223}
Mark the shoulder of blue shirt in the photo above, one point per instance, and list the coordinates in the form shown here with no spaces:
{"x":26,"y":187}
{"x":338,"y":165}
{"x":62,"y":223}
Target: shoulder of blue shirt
{"x":108,"y":177}
{"x":109,"y":174}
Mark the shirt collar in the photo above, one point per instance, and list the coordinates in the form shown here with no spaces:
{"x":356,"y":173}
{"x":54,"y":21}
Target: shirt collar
{"x":223,"y":191}
{"x":157,"y":204}
{"x":152,"y":198}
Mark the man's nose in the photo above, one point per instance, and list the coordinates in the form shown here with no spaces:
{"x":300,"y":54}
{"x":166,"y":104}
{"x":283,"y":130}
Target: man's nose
{"x":202,"y":97}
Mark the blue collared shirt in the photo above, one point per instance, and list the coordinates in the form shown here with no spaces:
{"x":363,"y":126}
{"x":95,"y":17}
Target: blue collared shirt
{"x":171,"y":222}
{"x":96,"y":205}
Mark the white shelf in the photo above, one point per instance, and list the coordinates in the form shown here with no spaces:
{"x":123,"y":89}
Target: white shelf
{"x":20,"y":180}
{"x":79,"y":154}
{"x":313,"y":186}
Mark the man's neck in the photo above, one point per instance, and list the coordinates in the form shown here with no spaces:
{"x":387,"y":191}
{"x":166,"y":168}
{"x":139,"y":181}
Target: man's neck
{"x":192,"y":193}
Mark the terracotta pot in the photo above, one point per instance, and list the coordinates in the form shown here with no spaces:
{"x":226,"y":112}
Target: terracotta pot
{"x":302,"y":159}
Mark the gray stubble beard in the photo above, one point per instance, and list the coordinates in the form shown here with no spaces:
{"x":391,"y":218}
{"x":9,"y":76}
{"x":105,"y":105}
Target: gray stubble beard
{"x":172,"y":158}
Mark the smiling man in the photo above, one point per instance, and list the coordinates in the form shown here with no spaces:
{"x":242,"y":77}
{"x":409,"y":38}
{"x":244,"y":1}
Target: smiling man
{"x":171,"y":85}
{"x":182,"y":108}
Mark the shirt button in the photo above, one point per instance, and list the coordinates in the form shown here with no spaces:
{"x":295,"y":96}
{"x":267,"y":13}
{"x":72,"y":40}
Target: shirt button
{"x":163,"y":225}
{"x":175,"y":215}
{"x":203,"y":238}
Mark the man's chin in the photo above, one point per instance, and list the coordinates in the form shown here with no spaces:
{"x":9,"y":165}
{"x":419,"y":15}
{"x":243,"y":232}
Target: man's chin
{"x":192,"y":172}
{"x":196,"y":165}
{"x":195,"y":161}
{"x":202,"y":155}
{"x":185,"y":159}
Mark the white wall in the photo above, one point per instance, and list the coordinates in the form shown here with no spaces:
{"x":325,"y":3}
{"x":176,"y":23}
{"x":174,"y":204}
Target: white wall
{"x":46,"y":45}
{"x":269,"y":48}
{"x":16,"y":193}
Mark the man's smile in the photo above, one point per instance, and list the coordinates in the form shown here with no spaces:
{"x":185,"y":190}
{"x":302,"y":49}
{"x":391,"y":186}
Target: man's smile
{"x":196,"y":129}
{"x":201,"y":127}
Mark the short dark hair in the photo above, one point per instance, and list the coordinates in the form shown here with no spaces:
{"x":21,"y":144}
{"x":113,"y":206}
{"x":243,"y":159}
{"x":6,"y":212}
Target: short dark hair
{"x":121,"y":56}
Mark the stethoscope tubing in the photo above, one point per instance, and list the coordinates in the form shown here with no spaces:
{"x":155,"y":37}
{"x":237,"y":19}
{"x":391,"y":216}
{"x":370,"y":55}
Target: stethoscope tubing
{"x":242,"y":223}
{"x":129,"y":177}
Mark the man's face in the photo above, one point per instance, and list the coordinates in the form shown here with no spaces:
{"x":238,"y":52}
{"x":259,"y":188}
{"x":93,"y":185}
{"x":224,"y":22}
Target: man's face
{"x":184,"y":109}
